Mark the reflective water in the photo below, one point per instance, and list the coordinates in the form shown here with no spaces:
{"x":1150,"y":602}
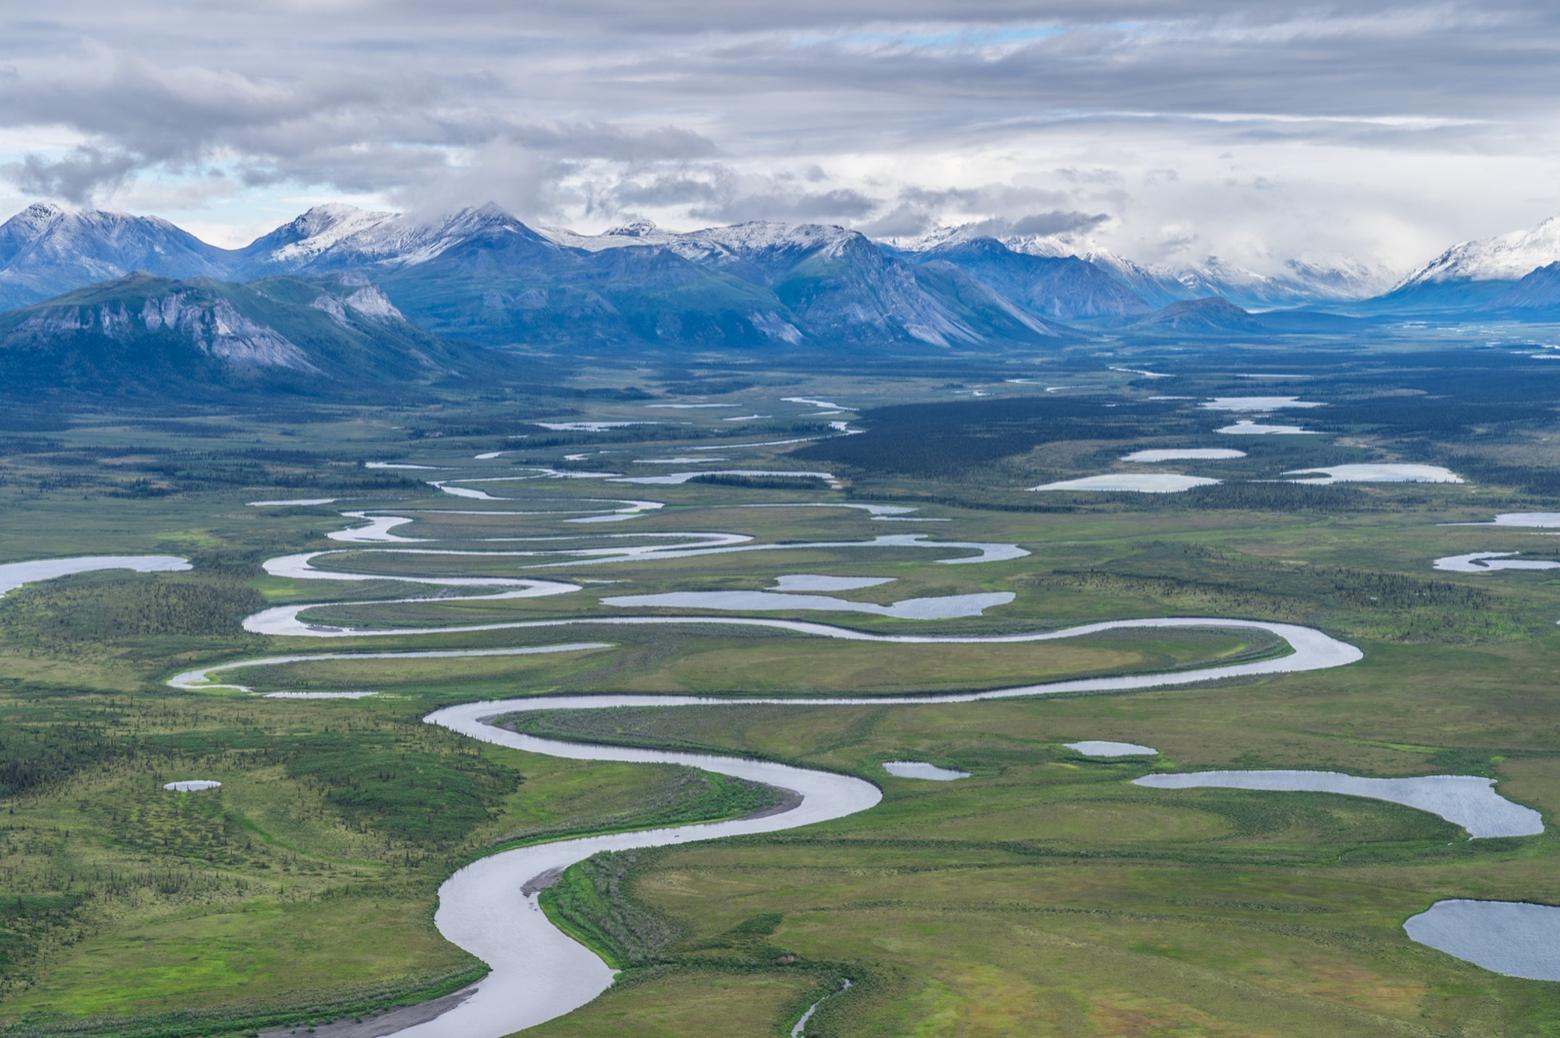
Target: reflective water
{"x":1132,"y":483}
{"x":1376,"y":473}
{"x":1513,"y":938}
{"x":1183,"y":454}
{"x":14,"y":574}
{"x":916,"y":769}
{"x":1490,"y":562}
{"x":1466,"y":800}
{"x":1247,"y":427}
{"x":1105,"y":748}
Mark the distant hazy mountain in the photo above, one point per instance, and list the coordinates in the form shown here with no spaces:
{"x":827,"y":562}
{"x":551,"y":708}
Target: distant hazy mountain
{"x":1506,"y":257}
{"x":1300,"y":282}
{"x":838,"y":284}
{"x":1474,"y":275}
{"x":841,"y":284}
{"x":1064,"y":288}
{"x":144,"y":334}
{"x":48,"y":249}
{"x":1200,"y":317}
{"x":1216,"y":318}
{"x":1539,"y":291}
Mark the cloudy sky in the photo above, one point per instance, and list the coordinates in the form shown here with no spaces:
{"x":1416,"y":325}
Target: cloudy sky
{"x":1168,"y":130}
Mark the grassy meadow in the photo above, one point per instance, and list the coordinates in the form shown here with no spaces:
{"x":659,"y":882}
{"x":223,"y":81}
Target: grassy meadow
{"x":1045,"y":894}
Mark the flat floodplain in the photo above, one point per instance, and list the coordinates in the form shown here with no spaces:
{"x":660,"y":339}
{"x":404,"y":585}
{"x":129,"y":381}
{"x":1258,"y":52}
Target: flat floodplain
{"x":1045,"y":893}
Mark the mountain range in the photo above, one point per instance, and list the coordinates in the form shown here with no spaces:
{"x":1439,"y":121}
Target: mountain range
{"x":1302,"y":282}
{"x":327,"y":292}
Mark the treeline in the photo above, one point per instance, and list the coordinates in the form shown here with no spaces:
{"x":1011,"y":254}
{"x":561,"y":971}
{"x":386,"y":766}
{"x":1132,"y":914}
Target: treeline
{"x":35,"y":757}
{"x":593,"y":902}
{"x":759,"y":482}
{"x":1274,"y":497}
{"x":412,"y":793}
{"x":1377,"y":603}
{"x":1531,"y":479}
{"x":944,"y":440}
{"x":1375,"y":589}
{"x":159,"y":471}
{"x":18,"y":417}
{"x":1437,"y":418}
{"x":106,"y":611}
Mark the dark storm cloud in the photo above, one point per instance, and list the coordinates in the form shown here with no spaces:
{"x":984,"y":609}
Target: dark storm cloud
{"x":840,"y":205}
{"x":903,"y":221}
{"x":668,"y":189}
{"x":74,"y":177}
{"x":714,"y":193}
{"x":1058,"y":223}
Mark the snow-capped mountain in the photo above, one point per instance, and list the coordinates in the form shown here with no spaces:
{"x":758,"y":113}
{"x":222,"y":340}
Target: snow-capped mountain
{"x":482,"y":274}
{"x":1475,"y":275}
{"x":826,"y":282}
{"x":758,"y":239}
{"x":1300,"y":281}
{"x":338,"y":237}
{"x":629,"y":235}
{"x":1063,"y":288}
{"x":1338,"y":279}
{"x":1506,"y":257}
{"x":1152,"y":289}
{"x":47,"y":249}
{"x":317,"y":231}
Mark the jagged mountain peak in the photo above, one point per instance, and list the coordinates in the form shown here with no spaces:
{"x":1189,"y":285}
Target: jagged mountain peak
{"x":342,"y":237}
{"x":1505,"y":257}
{"x":315,"y":231}
{"x":48,"y":248}
{"x":333,"y":214}
{"x":738,"y":240}
{"x":634,"y":229}
{"x":472,"y":217}
{"x":40,"y":212}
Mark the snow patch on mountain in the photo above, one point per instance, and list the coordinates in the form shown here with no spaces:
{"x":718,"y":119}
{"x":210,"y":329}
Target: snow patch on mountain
{"x":736,"y":241}
{"x":638,"y":233}
{"x":47,"y":249}
{"x":324,"y":227}
{"x":1505,"y":257}
{"x":332,"y":237}
{"x":1299,"y":281}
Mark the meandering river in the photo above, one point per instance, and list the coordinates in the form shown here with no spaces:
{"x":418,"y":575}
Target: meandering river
{"x":490,"y":907}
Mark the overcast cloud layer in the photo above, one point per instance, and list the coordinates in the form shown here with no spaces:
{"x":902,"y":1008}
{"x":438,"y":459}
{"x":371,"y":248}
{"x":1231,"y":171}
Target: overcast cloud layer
{"x":1168,"y":130}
